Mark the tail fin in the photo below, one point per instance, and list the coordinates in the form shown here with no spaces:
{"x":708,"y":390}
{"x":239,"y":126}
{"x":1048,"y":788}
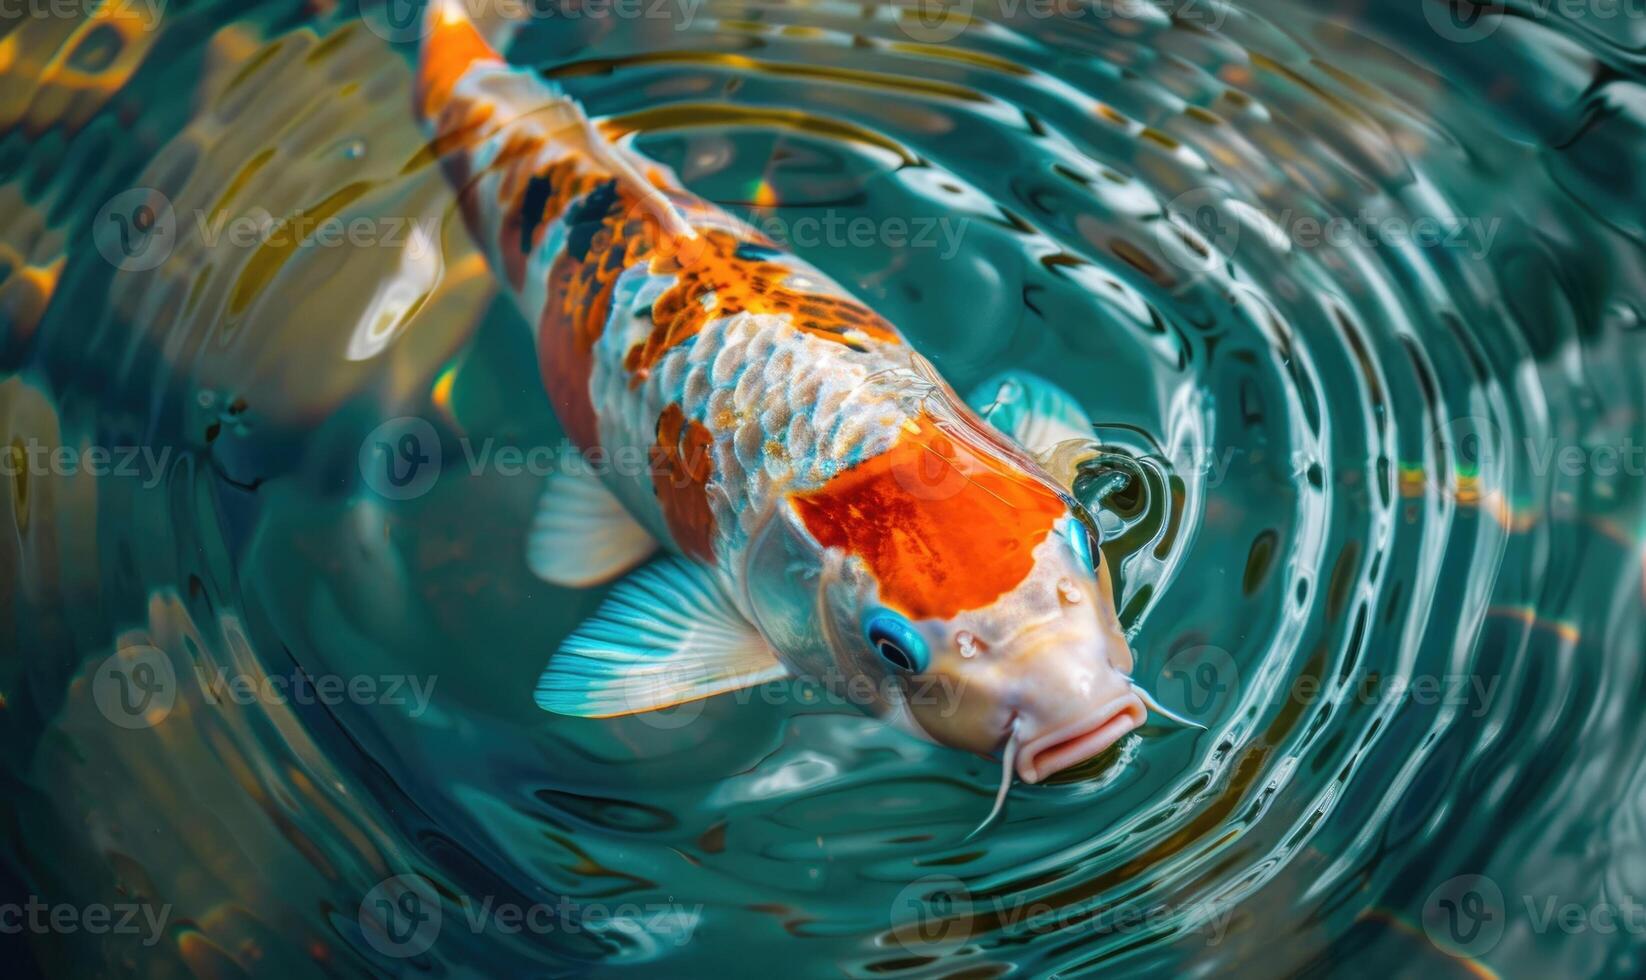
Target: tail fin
{"x":519,"y":101}
{"x":451,"y":46}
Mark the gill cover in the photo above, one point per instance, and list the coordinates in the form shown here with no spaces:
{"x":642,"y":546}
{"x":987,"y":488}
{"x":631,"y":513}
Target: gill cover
{"x":817,"y":609}
{"x":785,"y":588}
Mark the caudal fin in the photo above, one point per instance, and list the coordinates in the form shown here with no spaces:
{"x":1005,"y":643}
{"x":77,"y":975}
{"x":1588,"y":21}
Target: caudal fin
{"x":451,"y":46}
{"x":468,"y":96}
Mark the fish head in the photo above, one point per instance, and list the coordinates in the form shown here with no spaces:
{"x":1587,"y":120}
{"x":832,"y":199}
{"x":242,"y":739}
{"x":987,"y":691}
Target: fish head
{"x":969,"y":590}
{"x":1045,"y":668}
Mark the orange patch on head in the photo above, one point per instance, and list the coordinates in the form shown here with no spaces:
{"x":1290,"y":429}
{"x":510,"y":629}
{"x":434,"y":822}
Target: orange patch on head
{"x":681,"y":466}
{"x":944,"y":521}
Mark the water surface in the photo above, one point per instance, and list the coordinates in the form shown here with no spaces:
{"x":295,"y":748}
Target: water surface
{"x":1353,"y":290}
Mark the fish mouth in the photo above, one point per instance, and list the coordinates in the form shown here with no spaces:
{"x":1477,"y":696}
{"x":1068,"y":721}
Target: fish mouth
{"x":1058,"y":748}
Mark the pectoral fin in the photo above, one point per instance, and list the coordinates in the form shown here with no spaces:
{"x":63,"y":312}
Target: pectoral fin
{"x":667,"y":634}
{"x":1035,"y":413}
{"x":583,"y":535}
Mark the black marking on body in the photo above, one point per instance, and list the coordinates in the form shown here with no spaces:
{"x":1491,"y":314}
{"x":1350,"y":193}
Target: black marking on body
{"x":538,"y":191}
{"x":586,"y":217}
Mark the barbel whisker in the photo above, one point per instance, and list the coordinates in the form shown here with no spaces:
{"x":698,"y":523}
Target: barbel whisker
{"x":1161,"y":710}
{"x":1008,"y":756}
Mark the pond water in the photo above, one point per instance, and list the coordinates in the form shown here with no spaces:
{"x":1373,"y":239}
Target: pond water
{"x":1355,"y":289}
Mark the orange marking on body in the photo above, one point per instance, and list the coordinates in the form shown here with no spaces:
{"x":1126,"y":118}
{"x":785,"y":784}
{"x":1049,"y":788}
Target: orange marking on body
{"x":520,"y":148}
{"x":452,"y":48}
{"x":713,"y":280}
{"x":944,"y":522}
{"x":681,"y":467}
{"x":580,"y":295}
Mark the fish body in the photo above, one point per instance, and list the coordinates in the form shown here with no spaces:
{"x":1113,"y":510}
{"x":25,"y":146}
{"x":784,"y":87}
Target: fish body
{"x":744,"y":372}
{"x":834,"y":509}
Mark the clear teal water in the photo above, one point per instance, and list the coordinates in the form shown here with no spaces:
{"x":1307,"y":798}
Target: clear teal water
{"x":1384,"y":531}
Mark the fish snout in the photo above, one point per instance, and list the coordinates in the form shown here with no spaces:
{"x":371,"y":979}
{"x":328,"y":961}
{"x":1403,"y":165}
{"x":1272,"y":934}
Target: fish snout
{"x":1047,"y":749}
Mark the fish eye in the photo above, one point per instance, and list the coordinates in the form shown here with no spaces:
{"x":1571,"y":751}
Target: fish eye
{"x":1084,"y":544}
{"x":897,"y":641}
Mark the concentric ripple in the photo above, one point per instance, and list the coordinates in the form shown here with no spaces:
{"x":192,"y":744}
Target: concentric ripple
{"x":1353,"y":294}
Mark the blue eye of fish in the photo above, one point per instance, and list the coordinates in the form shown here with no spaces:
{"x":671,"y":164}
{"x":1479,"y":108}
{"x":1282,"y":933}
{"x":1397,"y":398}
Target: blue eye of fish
{"x":897,"y":641}
{"x":1080,"y":539}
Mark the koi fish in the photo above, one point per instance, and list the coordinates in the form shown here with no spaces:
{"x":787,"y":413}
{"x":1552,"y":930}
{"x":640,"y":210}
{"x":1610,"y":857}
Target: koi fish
{"x":829,"y":506}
